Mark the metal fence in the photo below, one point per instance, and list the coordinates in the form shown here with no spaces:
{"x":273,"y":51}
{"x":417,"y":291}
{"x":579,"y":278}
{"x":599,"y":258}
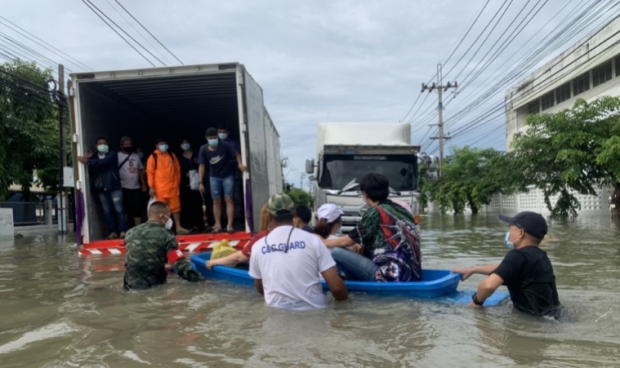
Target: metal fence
{"x":33,"y":213}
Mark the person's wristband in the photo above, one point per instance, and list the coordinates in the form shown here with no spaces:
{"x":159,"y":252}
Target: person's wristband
{"x":474,"y":299}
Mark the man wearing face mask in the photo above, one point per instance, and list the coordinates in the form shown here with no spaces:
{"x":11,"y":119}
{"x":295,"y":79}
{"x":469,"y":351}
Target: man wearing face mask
{"x":387,"y":235}
{"x":132,"y":180}
{"x":105,"y":181}
{"x":164,"y":178}
{"x":219,"y":155}
{"x":149,"y":247}
{"x":526,"y":270}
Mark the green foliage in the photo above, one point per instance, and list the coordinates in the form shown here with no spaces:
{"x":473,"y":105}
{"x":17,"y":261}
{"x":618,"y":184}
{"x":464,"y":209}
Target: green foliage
{"x":575,"y":149}
{"x":300,"y":197}
{"x":470,"y":177}
{"x":29,"y":139}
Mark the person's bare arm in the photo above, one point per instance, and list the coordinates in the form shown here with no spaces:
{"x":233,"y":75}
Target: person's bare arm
{"x":486,"y":288}
{"x":231,"y":259}
{"x":142,"y":176}
{"x":335,"y":283}
{"x":201,"y":175}
{"x":466,"y":272}
{"x":258,"y":284}
{"x":343,"y":241}
{"x":242,"y":167}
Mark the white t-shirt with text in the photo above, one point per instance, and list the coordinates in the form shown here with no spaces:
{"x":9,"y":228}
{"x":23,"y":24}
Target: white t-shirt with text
{"x":130,"y":171}
{"x":291,"y":279}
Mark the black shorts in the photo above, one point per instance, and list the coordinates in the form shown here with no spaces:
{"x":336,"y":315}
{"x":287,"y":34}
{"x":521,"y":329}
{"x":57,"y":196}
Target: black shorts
{"x":133,"y":202}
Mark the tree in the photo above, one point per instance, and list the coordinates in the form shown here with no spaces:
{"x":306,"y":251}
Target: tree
{"x":300,"y":197}
{"x":575,"y":149}
{"x":29,"y":139}
{"x":470,"y":177}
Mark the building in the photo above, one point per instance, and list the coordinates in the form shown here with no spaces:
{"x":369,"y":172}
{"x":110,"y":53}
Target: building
{"x":589,"y":69}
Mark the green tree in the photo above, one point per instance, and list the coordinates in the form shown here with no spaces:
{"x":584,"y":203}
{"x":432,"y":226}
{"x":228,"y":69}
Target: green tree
{"x":470,"y":177}
{"x":575,"y":149}
{"x":300,"y":197}
{"x":29,"y":139}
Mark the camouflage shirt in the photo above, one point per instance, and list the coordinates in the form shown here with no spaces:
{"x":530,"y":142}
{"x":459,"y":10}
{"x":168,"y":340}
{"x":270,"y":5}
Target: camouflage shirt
{"x":147,"y":248}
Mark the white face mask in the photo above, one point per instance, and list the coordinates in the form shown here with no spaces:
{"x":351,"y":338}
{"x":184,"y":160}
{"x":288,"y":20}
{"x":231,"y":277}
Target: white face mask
{"x":168,"y":224}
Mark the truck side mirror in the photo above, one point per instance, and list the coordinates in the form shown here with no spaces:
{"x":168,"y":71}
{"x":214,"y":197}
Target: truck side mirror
{"x":310,"y":166}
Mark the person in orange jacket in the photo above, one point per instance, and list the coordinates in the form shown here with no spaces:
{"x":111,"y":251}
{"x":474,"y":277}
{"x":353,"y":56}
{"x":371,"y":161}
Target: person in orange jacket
{"x":163,"y":173}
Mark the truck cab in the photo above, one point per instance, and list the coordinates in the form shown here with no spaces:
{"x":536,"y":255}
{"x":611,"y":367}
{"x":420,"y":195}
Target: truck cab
{"x":346,"y":152}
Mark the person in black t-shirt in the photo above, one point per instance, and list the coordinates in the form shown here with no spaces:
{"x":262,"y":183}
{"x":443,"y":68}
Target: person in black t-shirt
{"x":526,"y":270}
{"x":220,"y":156}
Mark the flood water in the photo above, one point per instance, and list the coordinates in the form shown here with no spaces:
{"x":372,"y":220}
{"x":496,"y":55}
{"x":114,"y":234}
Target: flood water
{"x":60,"y":310}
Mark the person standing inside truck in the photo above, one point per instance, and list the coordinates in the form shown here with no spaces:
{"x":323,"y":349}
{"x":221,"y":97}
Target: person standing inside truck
{"x":149,"y":247}
{"x":191,"y":200}
{"x":105,"y":181}
{"x":219,"y":155}
{"x":133,"y":181}
{"x":388,"y":236}
{"x":302,"y":218}
{"x":163,"y":173}
{"x":224,"y":134}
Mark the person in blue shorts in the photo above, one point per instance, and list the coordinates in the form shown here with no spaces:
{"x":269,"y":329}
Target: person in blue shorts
{"x":219,"y":155}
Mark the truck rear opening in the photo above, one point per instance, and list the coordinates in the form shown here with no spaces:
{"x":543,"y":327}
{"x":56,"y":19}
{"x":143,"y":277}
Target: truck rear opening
{"x":174,"y":104}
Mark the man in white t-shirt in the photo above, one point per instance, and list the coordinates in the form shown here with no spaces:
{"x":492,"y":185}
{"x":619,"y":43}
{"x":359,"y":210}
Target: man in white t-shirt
{"x":133,"y":182}
{"x":286,"y":263}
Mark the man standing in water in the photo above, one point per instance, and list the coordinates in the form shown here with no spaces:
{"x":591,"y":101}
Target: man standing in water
{"x":286,"y":263}
{"x":526,"y":270}
{"x":149,"y":247}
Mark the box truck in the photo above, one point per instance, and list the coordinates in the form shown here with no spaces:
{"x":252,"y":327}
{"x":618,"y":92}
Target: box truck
{"x":174,"y":103}
{"x":346,"y":152}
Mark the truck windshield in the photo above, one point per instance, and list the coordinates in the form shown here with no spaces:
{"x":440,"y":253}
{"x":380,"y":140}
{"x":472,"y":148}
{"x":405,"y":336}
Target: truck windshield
{"x":339,"y":170}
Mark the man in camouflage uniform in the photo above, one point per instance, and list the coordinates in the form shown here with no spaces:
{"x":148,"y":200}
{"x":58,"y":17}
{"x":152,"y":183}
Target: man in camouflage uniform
{"x":149,"y":247}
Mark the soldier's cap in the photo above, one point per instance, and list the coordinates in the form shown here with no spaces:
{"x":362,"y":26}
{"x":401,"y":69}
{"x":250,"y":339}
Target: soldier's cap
{"x":531,"y":222}
{"x":280,"y":205}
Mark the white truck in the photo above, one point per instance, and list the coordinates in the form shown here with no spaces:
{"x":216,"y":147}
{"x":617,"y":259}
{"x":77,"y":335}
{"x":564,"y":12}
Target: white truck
{"x":346,"y":152}
{"x":174,"y":103}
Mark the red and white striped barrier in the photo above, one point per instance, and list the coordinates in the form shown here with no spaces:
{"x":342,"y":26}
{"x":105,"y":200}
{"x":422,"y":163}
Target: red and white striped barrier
{"x":194,"y":243}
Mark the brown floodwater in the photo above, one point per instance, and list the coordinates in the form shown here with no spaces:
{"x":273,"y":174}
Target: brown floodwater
{"x":60,"y":310}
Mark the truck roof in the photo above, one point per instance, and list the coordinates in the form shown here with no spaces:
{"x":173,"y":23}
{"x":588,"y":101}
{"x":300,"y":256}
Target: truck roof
{"x":366,"y":134}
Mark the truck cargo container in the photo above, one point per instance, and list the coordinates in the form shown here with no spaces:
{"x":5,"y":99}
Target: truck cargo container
{"x":174,"y":103}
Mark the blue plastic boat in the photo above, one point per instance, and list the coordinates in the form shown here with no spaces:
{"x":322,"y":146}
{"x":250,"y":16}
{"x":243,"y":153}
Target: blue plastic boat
{"x":434,"y":284}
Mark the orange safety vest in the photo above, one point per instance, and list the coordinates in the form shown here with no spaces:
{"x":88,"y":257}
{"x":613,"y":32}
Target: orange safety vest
{"x":163,"y":173}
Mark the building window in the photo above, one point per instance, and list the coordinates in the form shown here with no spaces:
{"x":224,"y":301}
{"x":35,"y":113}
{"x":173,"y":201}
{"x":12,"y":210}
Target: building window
{"x":581,"y":84}
{"x":618,"y":66}
{"x":533,"y":107}
{"x":562,"y":93}
{"x":601,"y":74}
{"x":547,"y":101}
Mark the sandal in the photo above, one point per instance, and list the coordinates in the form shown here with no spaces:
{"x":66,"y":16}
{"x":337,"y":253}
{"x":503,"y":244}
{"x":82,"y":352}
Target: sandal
{"x":230,"y":230}
{"x":217,"y":231}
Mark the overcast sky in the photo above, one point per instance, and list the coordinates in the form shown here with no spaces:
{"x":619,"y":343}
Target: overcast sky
{"x":315,"y":60}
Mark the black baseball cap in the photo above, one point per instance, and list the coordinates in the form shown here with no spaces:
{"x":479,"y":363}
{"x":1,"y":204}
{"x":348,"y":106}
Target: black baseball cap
{"x":531,"y":222}
{"x":211,"y":132}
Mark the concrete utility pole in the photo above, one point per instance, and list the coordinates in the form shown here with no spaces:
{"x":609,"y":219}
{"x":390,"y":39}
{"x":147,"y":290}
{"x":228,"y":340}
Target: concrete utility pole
{"x":440,"y":89}
{"x":61,"y":101}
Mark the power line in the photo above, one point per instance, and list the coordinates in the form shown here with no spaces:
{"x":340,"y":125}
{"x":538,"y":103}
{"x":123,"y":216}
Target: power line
{"x":115,"y":31}
{"x":137,"y":31}
{"x":156,"y":39}
{"x":49,"y":47}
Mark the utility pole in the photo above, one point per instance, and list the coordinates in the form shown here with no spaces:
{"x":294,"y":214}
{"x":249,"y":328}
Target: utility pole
{"x":301,"y":181}
{"x":61,"y":101}
{"x":440,"y":89}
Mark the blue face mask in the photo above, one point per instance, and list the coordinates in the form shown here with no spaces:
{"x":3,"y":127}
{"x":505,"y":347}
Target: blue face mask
{"x":185,"y":146}
{"x":509,"y":244}
{"x":213,"y":142}
{"x":163,"y":148}
{"x":140,"y":154}
{"x":223,"y":136}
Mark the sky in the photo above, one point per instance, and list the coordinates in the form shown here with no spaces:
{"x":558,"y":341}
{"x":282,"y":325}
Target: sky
{"x":338,"y":61}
